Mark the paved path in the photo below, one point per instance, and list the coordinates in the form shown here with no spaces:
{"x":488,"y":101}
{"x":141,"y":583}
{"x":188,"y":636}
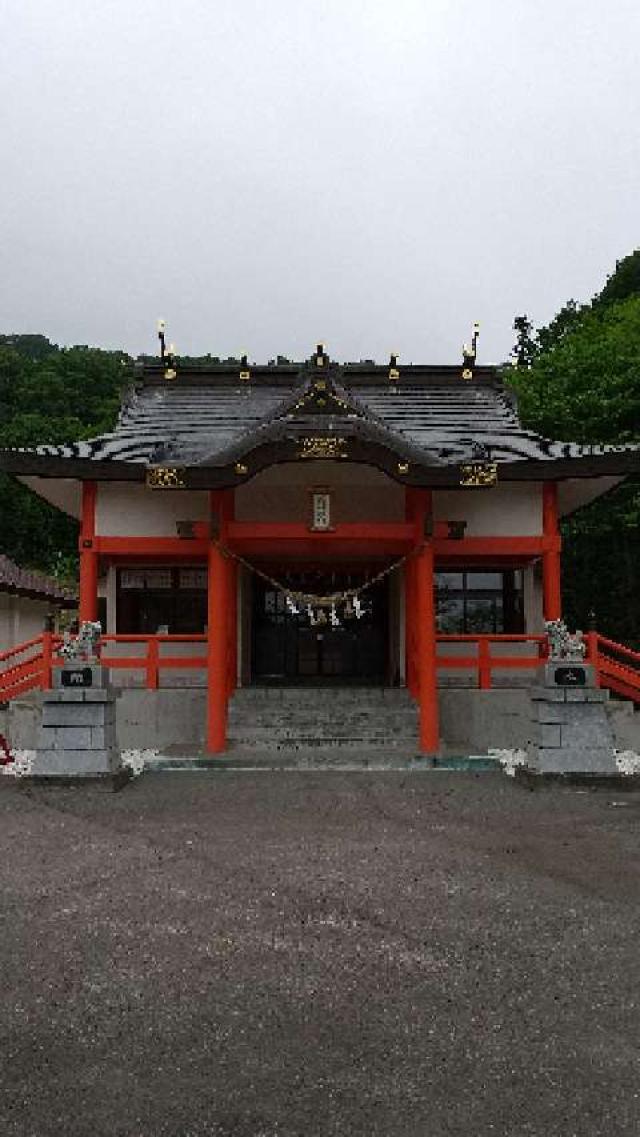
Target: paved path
{"x":270,"y":955}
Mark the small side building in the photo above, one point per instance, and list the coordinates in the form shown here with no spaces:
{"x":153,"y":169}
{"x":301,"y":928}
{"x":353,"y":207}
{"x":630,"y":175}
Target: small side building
{"x":28,"y":600}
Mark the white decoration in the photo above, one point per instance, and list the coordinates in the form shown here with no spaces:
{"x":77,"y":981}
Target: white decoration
{"x":510,"y":760}
{"x":21,"y":765}
{"x":136,"y":760}
{"x":627,"y":762}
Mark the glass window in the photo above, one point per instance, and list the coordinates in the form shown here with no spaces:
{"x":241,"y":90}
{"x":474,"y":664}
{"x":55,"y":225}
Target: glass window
{"x":479,"y":603}
{"x":150,"y":601}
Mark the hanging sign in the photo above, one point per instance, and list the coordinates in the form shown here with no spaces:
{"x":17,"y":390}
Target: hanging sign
{"x":320,"y":510}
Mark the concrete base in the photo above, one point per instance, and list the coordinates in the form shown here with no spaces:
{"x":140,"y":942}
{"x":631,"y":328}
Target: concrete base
{"x":471,"y":721}
{"x":624,"y":783}
{"x":77,"y":733}
{"x":112,"y":782}
{"x":570,"y":730}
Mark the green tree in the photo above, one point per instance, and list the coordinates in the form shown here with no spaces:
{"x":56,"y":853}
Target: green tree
{"x":622,"y":283}
{"x":583,"y":385}
{"x":54,"y":395}
{"x":524,"y":349}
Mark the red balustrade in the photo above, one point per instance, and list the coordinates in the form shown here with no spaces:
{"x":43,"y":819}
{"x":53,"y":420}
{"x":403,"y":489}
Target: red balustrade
{"x":30,"y":665}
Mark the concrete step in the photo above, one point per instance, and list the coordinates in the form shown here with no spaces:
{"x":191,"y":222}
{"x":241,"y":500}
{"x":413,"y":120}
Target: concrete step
{"x":285,"y":719}
{"x":318,"y":760}
{"x":267,"y":741}
{"x":310,"y":720}
{"x":329,"y":696}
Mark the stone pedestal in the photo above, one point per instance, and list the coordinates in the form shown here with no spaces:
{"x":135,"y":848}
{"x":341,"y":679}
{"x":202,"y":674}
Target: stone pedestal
{"x":570,"y":730}
{"x":77,"y":733}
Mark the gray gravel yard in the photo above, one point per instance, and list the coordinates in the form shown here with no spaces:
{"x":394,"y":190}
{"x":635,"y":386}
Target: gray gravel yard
{"x":280,"y":954}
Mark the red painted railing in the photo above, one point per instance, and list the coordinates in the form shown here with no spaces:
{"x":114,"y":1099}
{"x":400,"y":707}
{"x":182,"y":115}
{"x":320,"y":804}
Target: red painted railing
{"x":27,"y":666}
{"x":617,"y":665}
{"x":482,"y":661}
{"x":152,"y":661}
{"x":30,"y":665}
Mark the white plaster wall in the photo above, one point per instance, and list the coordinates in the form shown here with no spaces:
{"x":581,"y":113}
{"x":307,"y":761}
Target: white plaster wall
{"x":20,"y":619}
{"x":123,"y":509}
{"x":513,"y":509}
{"x":358,"y":492}
{"x":532,"y":589}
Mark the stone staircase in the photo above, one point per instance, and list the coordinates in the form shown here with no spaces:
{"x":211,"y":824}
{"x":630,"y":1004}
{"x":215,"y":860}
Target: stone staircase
{"x":323,"y":722}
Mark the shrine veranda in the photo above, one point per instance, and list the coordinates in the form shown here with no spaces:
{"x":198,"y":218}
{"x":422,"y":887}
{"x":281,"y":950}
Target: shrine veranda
{"x":318,"y":525}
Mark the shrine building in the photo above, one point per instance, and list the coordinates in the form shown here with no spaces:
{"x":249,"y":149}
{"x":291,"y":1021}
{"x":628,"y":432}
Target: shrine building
{"x":319,"y":524}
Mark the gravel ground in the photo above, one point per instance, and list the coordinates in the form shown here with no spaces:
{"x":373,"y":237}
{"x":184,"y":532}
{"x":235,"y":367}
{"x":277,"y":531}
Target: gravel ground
{"x":270,"y":955}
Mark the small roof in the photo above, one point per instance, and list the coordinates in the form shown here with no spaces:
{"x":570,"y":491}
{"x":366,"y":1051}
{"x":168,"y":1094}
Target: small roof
{"x":221,"y":423}
{"x":37,"y":586}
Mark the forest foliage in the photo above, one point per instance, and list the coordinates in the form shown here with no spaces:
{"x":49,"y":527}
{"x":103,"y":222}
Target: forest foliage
{"x":577,"y":379}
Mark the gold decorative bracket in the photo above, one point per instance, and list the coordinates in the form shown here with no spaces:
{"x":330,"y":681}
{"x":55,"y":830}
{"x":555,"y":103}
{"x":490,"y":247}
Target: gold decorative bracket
{"x":479,"y":474}
{"x":166,"y":478}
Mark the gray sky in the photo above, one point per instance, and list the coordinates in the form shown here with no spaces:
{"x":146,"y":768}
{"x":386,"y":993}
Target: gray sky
{"x":267,"y":173}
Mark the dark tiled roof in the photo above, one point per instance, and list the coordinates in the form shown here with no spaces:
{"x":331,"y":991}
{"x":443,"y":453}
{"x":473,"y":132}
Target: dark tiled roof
{"x":26,"y":582}
{"x":206,"y":415}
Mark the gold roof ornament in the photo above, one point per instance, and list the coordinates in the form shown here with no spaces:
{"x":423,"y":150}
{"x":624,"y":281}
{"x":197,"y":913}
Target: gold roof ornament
{"x":469,"y":354}
{"x":167,"y":354}
{"x":394,"y":371}
{"x":245,"y":373}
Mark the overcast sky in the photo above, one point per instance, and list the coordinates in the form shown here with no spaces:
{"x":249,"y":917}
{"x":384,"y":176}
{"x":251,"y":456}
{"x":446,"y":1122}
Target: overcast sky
{"x":268,"y":173}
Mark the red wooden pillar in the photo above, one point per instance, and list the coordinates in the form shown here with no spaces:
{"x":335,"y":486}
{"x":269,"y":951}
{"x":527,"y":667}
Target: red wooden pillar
{"x":427,"y":671}
{"x":551,"y":590}
{"x":88,"y":606}
{"x":421,"y":620}
{"x":218,"y":621}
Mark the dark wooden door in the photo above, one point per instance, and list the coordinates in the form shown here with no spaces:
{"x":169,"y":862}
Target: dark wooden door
{"x":288,"y":648}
